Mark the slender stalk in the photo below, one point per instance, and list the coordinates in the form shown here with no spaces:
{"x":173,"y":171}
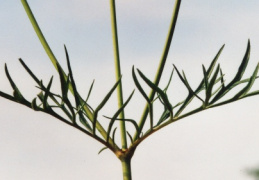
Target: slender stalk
{"x":126,"y":168}
{"x":39,"y":33}
{"x":161,"y":64}
{"x":118,"y":71}
{"x":55,"y":63}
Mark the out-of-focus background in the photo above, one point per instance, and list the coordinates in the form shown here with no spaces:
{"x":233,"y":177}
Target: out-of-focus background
{"x":221,"y":143}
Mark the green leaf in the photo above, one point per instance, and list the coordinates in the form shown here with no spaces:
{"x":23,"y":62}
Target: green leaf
{"x":77,"y":98}
{"x":210,"y":85}
{"x":243,"y":65}
{"x":183,"y":79}
{"x":117,"y":114}
{"x":210,"y":69}
{"x":170,"y":79}
{"x":150,"y":105}
{"x":201,"y":85}
{"x":34,"y":105}
{"x":102,"y":150}
{"x":16,"y":92}
{"x":139,"y":86}
{"x":113,"y":134}
{"x":159,"y":91}
{"x":205,"y":77}
{"x":213,"y":63}
{"x":222,"y":79}
{"x":80,"y":107}
{"x":41,"y":96}
{"x":89,"y":92}
{"x":103,"y":102}
{"x":64,"y":82}
{"x":129,"y":120}
{"x":185,"y":82}
{"x":244,"y":91}
{"x":131,"y":139}
{"x":84,"y":122}
{"x":46,"y":95}
{"x":29,"y":71}
{"x":237,"y":77}
{"x":164,"y":116}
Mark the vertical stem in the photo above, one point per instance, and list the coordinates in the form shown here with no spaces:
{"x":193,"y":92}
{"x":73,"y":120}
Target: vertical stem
{"x":161,"y":64}
{"x":118,"y":71}
{"x":55,"y":63}
{"x":126,"y":168}
{"x":39,"y":33}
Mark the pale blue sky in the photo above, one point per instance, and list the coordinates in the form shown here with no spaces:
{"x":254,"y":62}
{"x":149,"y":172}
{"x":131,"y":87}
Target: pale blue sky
{"x":218,"y":144}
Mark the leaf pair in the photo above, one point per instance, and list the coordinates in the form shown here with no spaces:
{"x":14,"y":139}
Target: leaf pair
{"x":162,"y":95}
{"x":225,"y":89}
{"x":17,"y":95}
{"x":204,"y":84}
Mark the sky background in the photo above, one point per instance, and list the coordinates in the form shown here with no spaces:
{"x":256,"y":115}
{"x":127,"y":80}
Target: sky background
{"x":220,"y":143}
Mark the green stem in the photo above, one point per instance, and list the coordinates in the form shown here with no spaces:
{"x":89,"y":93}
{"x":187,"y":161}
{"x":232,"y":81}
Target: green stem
{"x":118,"y":71}
{"x":161,"y":65}
{"x":55,"y":63}
{"x":126,"y":168}
{"x":39,"y":33}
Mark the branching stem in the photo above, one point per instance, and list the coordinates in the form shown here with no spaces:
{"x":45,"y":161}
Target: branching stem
{"x":55,"y":63}
{"x":161,"y":64}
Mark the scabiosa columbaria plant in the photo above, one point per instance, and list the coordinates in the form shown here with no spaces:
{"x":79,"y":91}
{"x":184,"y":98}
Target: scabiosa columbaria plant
{"x":78,"y":113}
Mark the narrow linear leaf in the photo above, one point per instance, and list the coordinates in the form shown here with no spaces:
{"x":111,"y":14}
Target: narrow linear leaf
{"x":188,"y":98}
{"x":243,"y":65}
{"x":131,"y":139}
{"x":239,"y":83}
{"x":46,"y":95}
{"x":139,"y":86}
{"x":16,"y":92}
{"x":222,"y":79}
{"x":129,"y":120}
{"x":237,"y":77}
{"x":167,"y":86}
{"x":190,"y":89}
{"x":205,"y":77}
{"x":102,"y":150}
{"x":103,"y":102}
{"x":29,"y":71}
{"x":150,"y":105}
{"x":185,"y":82}
{"x":201,"y":85}
{"x":170,"y":80}
{"x":84,"y":122}
{"x":210,"y":85}
{"x":81,"y":106}
{"x":249,"y":84}
{"x":214,"y":61}
{"x":89,"y":92}
{"x":117,"y":114}
{"x":64,"y":82}
{"x":34,"y":105}
{"x":210,"y":69}
{"x":113,"y":135}
{"x":77,"y":99}
{"x":164,"y":116}
{"x":158,"y":90}
{"x":9,"y":78}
